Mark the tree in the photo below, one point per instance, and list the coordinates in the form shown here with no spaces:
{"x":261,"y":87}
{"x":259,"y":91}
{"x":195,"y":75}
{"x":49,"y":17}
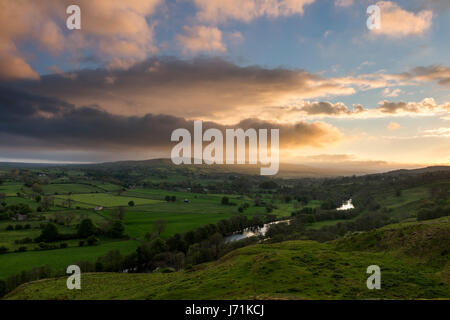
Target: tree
{"x":36,"y":188}
{"x":111,"y":262}
{"x":119,"y":213}
{"x":225,"y":201}
{"x":176,"y":243}
{"x":117,"y":229}
{"x":86,"y":228}
{"x":92,"y":240}
{"x":268,"y":185}
{"x":159,"y":226}
{"x":47,"y":202}
{"x":49,"y":233}
{"x":148,"y":250}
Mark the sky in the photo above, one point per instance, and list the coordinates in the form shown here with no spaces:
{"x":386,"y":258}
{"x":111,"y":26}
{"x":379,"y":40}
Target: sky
{"x":139,"y":69}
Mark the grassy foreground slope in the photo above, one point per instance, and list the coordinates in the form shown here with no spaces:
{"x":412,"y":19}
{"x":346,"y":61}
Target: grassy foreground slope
{"x":289,"y":270}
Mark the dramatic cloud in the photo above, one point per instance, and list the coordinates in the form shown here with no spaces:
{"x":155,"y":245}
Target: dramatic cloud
{"x":218,"y":11}
{"x":116,"y":31}
{"x":397,"y":22}
{"x":385,"y":109}
{"x":217,"y":90}
{"x":28,"y":120}
{"x":425,"y":107}
{"x":204,"y":87}
{"x":201,"y":39}
{"x":438,"y":73}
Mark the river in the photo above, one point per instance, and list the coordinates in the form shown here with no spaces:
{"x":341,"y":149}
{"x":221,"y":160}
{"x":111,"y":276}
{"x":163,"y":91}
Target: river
{"x":346,"y":205}
{"x":251,"y":232}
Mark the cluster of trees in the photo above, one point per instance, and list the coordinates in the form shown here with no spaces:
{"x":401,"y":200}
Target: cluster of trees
{"x":243,"y":207}
{"x":6,"y":212}
{"x":85,"y":230}
{"x":311,"y":215}
{"x":11,"y":227}
{"x":26,"y":276}
{"x":226,"y":201}
{"x":433,"y":212}
{"x":171,"y":198}
{"x":296,"y":229}
{"x":200,"y":245}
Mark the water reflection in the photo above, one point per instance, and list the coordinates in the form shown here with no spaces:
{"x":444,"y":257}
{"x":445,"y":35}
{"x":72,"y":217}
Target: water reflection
{"x":251,"y":232}
{"x":346,"y":205}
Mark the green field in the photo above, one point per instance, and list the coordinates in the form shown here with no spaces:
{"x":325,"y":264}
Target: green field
{"x":59,"y":259}
{"x":107,"y":200}
{"x":150,"y":206}
{"x":62,"y":188}
{"x":413,"y":255}
{"x":10,"y":189}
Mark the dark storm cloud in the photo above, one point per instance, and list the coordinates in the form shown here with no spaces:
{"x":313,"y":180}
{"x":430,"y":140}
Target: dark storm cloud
{"x":30,"y":120}
{"x":204,"y":87}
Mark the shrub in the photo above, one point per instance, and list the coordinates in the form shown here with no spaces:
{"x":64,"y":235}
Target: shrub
{"x":86,"y":228}
{"x":9,"y":228}
{"x":49,"y":233}
{"x":117,"y":229}
{"x":92,"y":240}
{"x":131,"y":203}
{"x":81,"y":243}
{"x":3,"y":249}
{"x":43,"y":245}
{"x":63,"y":245}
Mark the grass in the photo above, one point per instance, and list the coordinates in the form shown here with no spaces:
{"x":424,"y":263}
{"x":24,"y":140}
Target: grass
{"x":16,"y":200}
{"x":288,"y":270}
{"x":10,"y":189}
{"x":107,"y":200}
{"x":428,"y":240}
{"x":13,"y":263}
{"x":63,"y":188}
{"x":181,"y":217}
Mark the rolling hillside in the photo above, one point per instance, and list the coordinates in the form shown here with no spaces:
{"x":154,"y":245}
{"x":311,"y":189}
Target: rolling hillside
{"x":413,"y":257}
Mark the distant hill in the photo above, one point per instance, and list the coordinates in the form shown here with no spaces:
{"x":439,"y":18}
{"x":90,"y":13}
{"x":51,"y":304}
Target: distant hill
{"x":287,"y":170}
{"x":420,"y":170}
